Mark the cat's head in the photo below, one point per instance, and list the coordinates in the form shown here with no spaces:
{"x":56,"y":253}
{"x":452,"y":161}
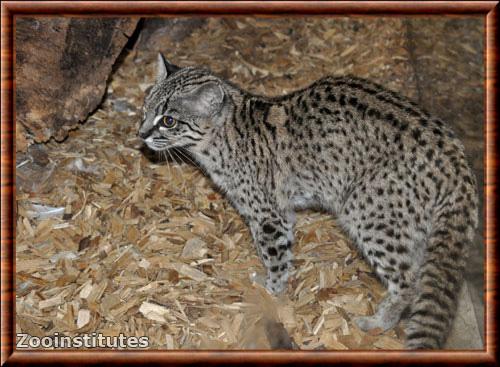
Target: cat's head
{"x":182,"y":108}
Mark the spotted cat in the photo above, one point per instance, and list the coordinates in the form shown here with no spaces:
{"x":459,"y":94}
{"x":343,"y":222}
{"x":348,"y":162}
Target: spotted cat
{"x":395,"y":177}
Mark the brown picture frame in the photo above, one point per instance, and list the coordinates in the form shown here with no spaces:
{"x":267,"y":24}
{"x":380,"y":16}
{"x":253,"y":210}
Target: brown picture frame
{"x":11,"y":9}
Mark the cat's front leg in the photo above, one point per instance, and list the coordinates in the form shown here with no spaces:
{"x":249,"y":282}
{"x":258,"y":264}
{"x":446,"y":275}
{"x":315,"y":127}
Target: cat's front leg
{"x":273,"y":236}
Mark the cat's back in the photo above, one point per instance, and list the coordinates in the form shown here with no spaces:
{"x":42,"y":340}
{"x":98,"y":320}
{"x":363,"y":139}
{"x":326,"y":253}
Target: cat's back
{"x":363,"y":116}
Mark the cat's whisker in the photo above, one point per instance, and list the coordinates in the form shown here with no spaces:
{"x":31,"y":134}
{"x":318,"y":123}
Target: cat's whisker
{"x":192,"y":160}
{"x":175,"y":163}
{"x":168,"y":163}
{"x":196,"y":164}
{"x":172,"y":159}
{"x":185,"y":156}
{"x":179,"y":170}
{"x":178,"y":160}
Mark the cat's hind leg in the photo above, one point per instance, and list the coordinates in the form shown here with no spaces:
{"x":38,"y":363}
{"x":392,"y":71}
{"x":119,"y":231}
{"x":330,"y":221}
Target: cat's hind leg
{"x":389,"y":233}
{"x":388,"y":312}
{"x":397,"y":271}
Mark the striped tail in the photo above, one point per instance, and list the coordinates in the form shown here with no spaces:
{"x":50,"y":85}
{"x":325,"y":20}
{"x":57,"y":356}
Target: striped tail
{"x":440,"y":280}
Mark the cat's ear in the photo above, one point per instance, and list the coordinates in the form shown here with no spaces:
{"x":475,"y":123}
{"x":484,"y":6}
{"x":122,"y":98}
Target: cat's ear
{"x":206,"y":100}
{"x":164,"y":68}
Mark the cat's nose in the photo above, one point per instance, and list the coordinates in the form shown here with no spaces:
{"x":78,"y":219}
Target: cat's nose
{"x":142,"y":134}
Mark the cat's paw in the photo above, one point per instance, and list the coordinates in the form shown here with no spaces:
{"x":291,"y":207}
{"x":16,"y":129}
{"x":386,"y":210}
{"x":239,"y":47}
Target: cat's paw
{"x":366,"y":323}
{"x":276,"y":285}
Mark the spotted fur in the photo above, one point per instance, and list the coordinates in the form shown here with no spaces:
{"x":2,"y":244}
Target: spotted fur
{"x":395,"y":177}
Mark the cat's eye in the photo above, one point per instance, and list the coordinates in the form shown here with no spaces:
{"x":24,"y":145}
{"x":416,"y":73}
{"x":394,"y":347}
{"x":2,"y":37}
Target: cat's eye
{"x":168,"y":122}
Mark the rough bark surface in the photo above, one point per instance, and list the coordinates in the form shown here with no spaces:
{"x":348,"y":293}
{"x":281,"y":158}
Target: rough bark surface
{"x":61,"y":68}
{"x":159,"y":33}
